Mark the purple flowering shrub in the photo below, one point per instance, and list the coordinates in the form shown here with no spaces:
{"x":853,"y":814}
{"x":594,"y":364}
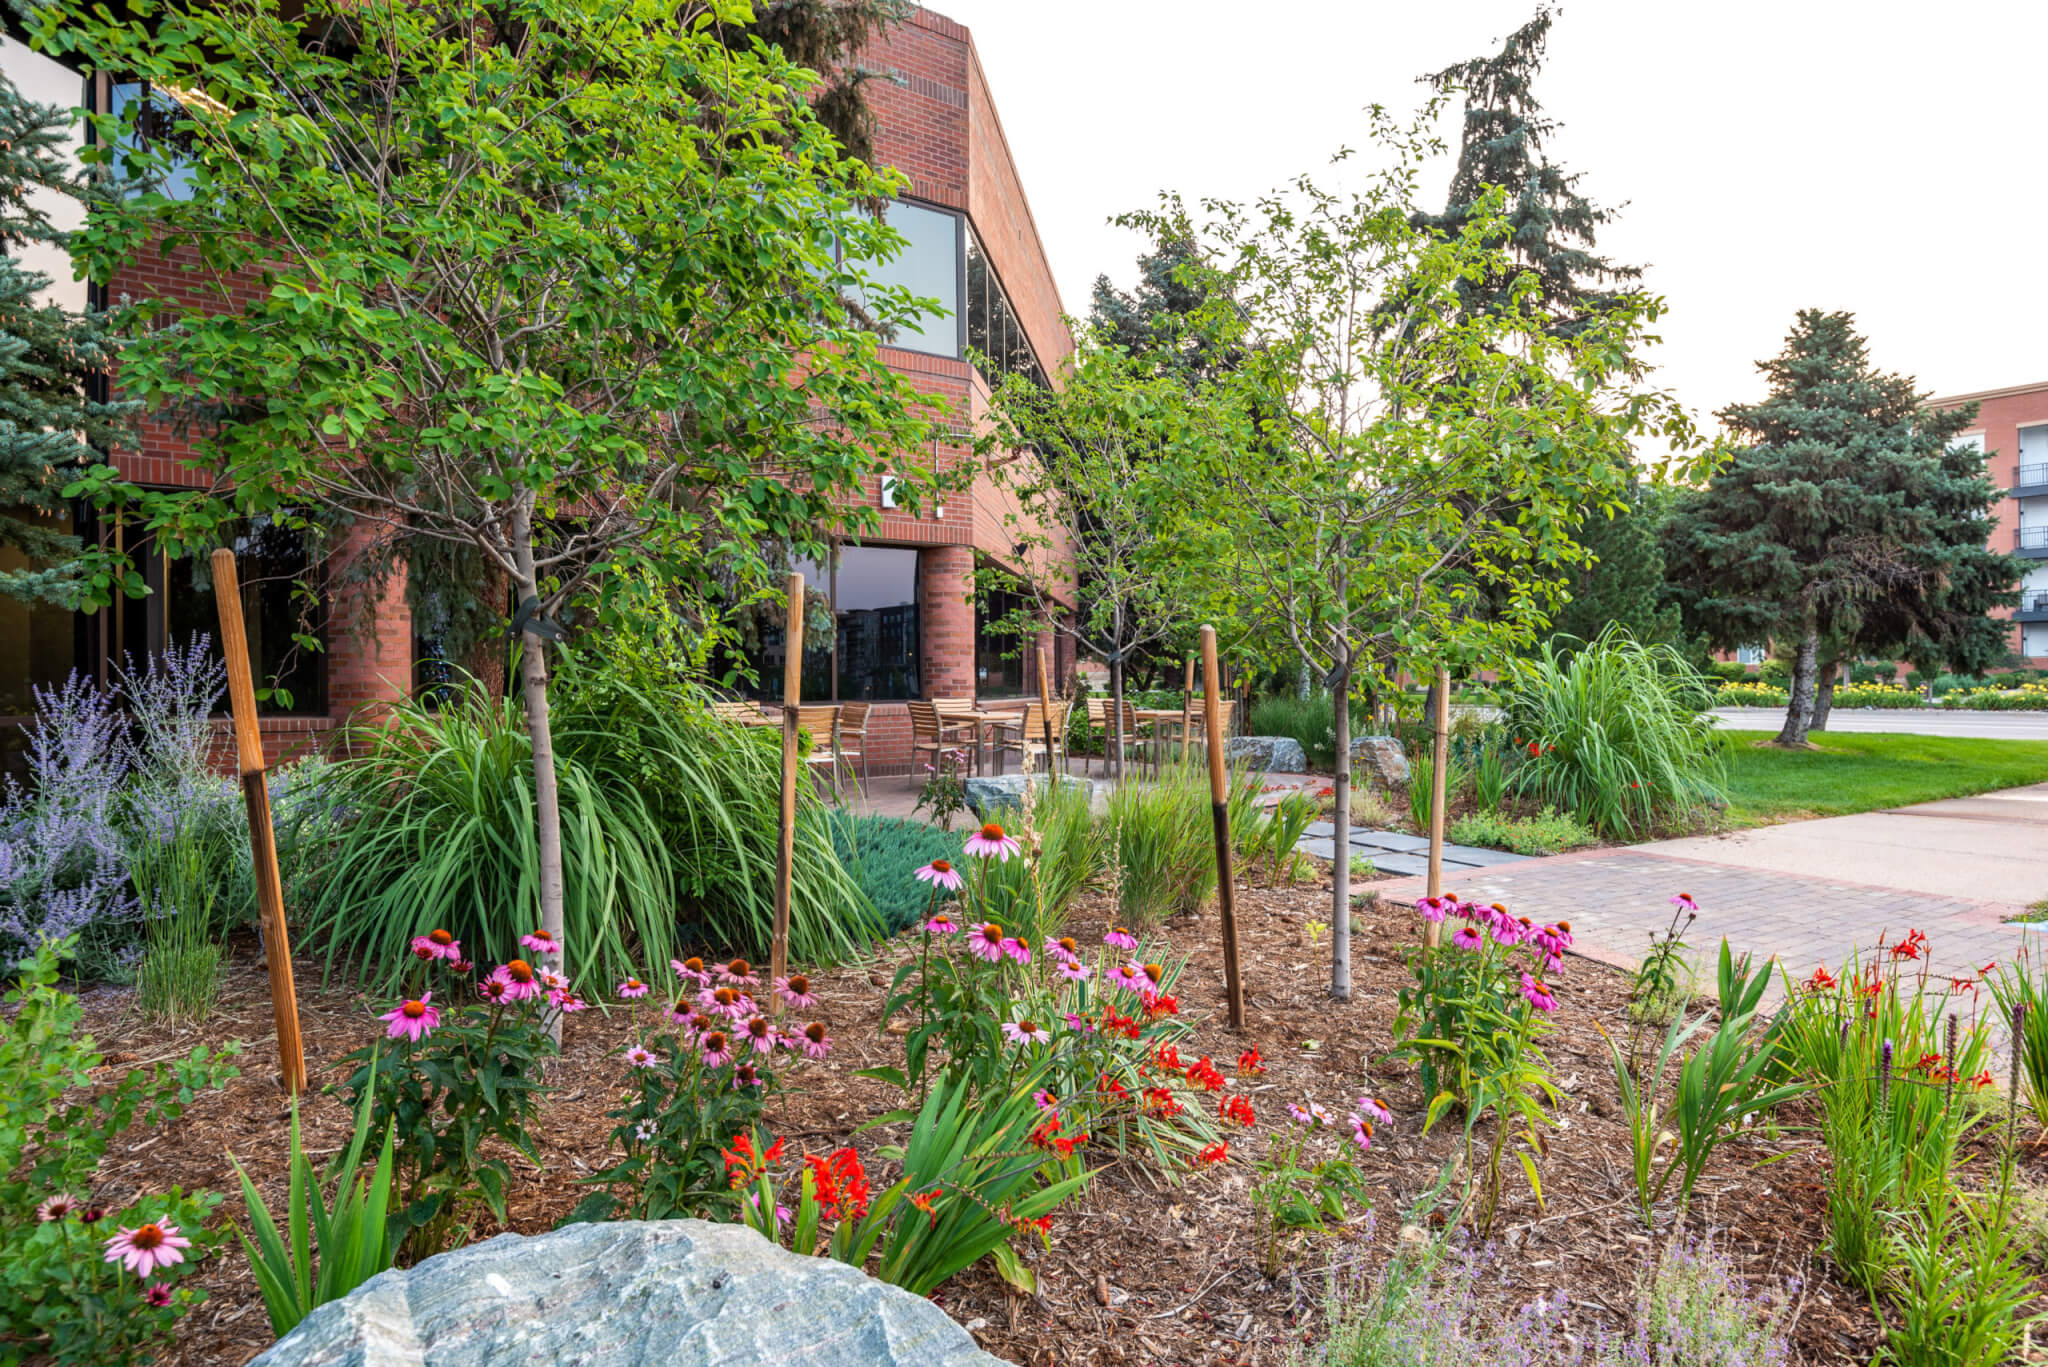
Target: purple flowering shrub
{"x":1431,"y":1309}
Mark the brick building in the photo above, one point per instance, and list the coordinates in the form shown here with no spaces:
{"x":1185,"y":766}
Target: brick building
{"x":909,"y":624}
{"x":2012,"y":426}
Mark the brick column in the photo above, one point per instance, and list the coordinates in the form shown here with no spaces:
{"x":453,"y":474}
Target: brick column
{"x":945,"y":613}
{"x":369,"y":642}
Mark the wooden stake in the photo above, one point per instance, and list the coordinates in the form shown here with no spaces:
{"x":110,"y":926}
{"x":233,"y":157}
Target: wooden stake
{"x":277,"y":945}
{"x":785,"y":849}
{"x":1440,"y":758}
{"x":1219,"y":810}
{"x":1045,"y":709}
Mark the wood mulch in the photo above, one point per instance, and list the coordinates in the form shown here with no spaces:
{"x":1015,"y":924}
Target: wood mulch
{"x":1141,"y":1271}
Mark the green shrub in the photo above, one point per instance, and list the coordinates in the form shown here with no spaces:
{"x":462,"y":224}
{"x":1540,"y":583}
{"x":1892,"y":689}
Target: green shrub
{"x":1775,"y":672}
{"x":881,"y":853}
{"x":2027,"y":697}
{"x":1547,"y":833}
{"x":1310,"y":721}
{"x":1165,"y":845}
{"x":1728,"y":671}
{"x":1619,"y":734}
{"x":1865,"y":672}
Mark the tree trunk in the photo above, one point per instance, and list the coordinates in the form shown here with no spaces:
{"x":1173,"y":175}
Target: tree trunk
{"x":1340,"y":876}
{"x":1824,"y":695}
{"x":1116,"y":718}
{"x":1799,"y":715}
{"x":533,"y":669}
{"x":1305,"y":689}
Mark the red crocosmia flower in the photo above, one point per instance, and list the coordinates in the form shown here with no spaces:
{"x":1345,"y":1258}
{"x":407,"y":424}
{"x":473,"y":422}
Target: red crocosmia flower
{"x":1962,"y":984}
{"x":1161,"y":1004}
{"x":1160,"y":1101}
{"x":1238,"y":1109}
{"x":1204,"y":1075}
{"x":1110,"y":1087}
{"x":1213,"y":1154}
{"x":1534,"y":749}
{"x":1983,"y":1080}
{"x":1821,"y":981}
{"x":1166,"y":1058}
{"x":1928,"y":1063}
{"x":923,"y":1201}
{"x":841,"y":1184}
{"x":1249,"y":1064}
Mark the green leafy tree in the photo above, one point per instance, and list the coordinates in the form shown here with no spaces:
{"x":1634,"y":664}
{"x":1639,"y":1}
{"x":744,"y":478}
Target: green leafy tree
{"x":1844,"y":525}
{"x":1622,"y":583}
{"x":51,"y":427}
{"x":558,"y":282}
{"x":1387,"y":465}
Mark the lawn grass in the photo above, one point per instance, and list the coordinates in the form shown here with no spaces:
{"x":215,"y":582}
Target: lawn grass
{"x":1867,"y":771}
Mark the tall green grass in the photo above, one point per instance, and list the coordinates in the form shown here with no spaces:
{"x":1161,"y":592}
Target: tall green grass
{"x":1166,"y":841}
{"x":1311,"y":721}
{"x":1621,"y":735}
{"x":668,"y":817}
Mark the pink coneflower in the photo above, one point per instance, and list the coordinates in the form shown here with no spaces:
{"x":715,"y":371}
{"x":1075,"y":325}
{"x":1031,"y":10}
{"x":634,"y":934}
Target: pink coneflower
{"x":814,"y":1041}
{"x":716,"y":1054}
{"x":940,"y":873}
{"x":1119,"y":938}
{"x":990,"y":843}
{"x":758,"y":1034}
{"x":1075,"y":972}
{"x":1685,"y":902}
{"x":493,"y":988}
{"x":1467,"y":937}
{"x":795,"y":991}
{"x":568,"y":1003}
{"x":690,"y":970}
{"x":540,"y":942}
{"x":640,"y":1057}
{"x":436,"y":944}
{"x":1080,"y":1025}
{"x":738,"y":972}
{"x":728,"y":1002}
{"x":413,"y":1020}
{"x":1311,"y":1114}
{"x":157,"y":1294}
{"x":1361,"y":1131}
{"x":745,"y":1076}
{"x":1434,"y":908}
{"x":632,"y":987}
{"x":1130,"y":977}
{"x":1017,"y":950}
{"x":1375,"y":1110}
{"x":1045,"y":1101}
{"x":58,"y":1207}
{"x":942,"y":924}
{"x":1537,"y":994}
{"x":987,"y":942}
{"x":518,"y":977}
{"x":461,"y":968}
{"x":551,"y":982}
{"x":1025,"y":1032}
{"x":145,"y":1248}
{"x":679,"y":1012}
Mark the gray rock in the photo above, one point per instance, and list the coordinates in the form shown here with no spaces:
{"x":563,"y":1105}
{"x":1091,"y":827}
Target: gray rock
{"x":1270,"y":754}
{"x":988,"y":795}
{"x":1381,"y":758}
{"x":628,"y":1294}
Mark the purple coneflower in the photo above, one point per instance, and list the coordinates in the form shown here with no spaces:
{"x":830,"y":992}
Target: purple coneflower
{"x":1375,"y":1110}
{"x":552,"y":982}
{"x":518,"y":979}
{"x":145,"y":1248}
{"x":640,"y":1057}
{"x":745,"y":1076}
{"x":814,"y":1041}
{"x":987,"y":942}
{"x":1075,"y":972}
{"x":738,"y":972}
{"x":1361,"y":1131}
{"x":1119,"y":938}
{"x":1537,"y":994}
{"x":632,"y":987}
{"x":1045,"y":1100}
{"x":990,"y":843}
{"x":940,"y":873}
{"x":158,"y":1294}
{"x":1433,"y":909}
{"x":728,"y":1002}
{"x":493,"y":988}
{"x":795,"y":991}
{"x":942,"y":924}
{"x":58,"y":1207}
{"x":716,"y":1054}
{"x":413,"y":1020}
{"x":1017,"y":950}
{"x":1080,"y":1025}
{"x":1026,"y":1032}
{"x":1311,"y":1114}
{"x":758,"y":1034}
{"x":690,"y":970}
{"x":540,"y":942}
{"x":436,"y":944}
{"x":1684,"y":900}
{"x":1063,"y":949}
{"x":1467,"y":937}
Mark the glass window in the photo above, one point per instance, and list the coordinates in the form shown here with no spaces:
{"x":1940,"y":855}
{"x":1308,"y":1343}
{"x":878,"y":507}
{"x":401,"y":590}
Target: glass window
{"x":928,"y":267}
{"x":38,"y":644}
{"x":872,"y":655}
{"x":992,"y":326}
{"x":999,"y":654}
{"x":270,"y":560}
{"x":155,"y":124}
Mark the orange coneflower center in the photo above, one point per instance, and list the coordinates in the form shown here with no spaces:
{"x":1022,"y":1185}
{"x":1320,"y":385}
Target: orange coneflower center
{"x":715,"y":1042}
{"x":1565,"y":926}
{"x":635,"y":983}
{"x":725,"y":996}
{"x":758,"y":1028}
{"x":815,"y":1032}
{"x":992,"y":932}
{"x":543,"y":936}
{"x":799,"y":984}
{"x":1155,"y":972}
{"x":1365,"y":1125}
{"x":1027,"y":1027}
{"x":519,"y":971}
{"x":414,"y":1010}
{"x":1499,"y":908}
{"x":694,"y":965}
{"x":744,"y":1073}
{"x":991,"y":832}
{"x":941,"y":866}
{"x":1525,"y":922}
{"x":148,"y":1236}
{"x":1067,"y":943}
{"x":441,"y":937}
{"x":739,"y":968}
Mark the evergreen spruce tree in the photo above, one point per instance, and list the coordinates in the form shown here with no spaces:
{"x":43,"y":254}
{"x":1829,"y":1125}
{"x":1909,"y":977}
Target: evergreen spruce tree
{"x":50,"y":426}
{"x":1163,"y":320}
{"x":1550,"y":227}
{"x":1844,"y":526}
{"x":827,"y":36}
{"x":1625,"y":584}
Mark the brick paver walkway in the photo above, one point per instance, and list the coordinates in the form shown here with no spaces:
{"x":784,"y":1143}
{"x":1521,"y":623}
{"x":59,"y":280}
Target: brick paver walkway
{"x":1616,"y":898}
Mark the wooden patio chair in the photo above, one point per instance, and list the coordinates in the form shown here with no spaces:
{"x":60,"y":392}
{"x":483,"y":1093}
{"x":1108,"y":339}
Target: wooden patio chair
{"x":851,"y":746}
{"x":931,"y":735}
{"x":821,"y":725}
{"x":1030,"y":740}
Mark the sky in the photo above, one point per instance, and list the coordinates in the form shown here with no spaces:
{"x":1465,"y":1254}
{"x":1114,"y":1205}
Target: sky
{"x":1883,"y":158}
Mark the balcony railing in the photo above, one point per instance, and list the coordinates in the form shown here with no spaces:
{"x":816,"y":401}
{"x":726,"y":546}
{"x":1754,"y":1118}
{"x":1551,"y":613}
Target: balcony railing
{"x":2034,"y":602}
{"x":2033,"y":538}
{"x":2030,"y":475}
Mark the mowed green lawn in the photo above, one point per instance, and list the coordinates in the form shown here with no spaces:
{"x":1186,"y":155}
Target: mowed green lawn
{"x":1867,"y":771}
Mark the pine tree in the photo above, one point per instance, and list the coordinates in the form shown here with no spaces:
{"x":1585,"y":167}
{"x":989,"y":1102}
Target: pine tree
{"x":826,"y":36}
{"x":50,"y":426}
{"x":1550,"y":226}
{"x":1844,"y":525}
{"x":1164,"y":320}
{"x":1625,"y":584}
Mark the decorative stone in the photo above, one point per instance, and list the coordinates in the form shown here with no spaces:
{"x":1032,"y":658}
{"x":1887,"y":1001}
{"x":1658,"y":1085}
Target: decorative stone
{"x":632,"y":1291}
{"x":987,"y":795}
{"x":1381,"y":758}
{"x":1269,"y":754}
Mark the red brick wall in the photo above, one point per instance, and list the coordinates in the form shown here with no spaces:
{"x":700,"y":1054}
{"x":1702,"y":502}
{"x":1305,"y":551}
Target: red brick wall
{"x":2000,"y":415}
{"x":945,"y":613}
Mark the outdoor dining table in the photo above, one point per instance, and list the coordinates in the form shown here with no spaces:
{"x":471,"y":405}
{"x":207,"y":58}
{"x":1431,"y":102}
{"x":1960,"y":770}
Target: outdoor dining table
{"x":982,"y":721}
{"x":1160,"y":718}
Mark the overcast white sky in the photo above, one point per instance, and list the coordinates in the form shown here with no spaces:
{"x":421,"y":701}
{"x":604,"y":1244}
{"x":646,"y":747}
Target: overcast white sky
{"x":1886,"y":158}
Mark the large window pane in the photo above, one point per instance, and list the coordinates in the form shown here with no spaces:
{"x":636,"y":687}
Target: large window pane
{"x":999,"y":655}
{"x":992,"y":327}
{"x":928,"y":267}
{"x":270,"y":561}
{"x":875,"y":602}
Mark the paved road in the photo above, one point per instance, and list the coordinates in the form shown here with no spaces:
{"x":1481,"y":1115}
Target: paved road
{"x":1922,"y":722}
{"x":1806,"y":892}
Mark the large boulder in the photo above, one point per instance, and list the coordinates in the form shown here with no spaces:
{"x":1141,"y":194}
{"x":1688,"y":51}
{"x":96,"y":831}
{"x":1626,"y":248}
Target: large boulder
{"x":1381,"y":757}
{"x":989,"y":795}
{"x":1270,"y":754}
{"x":653,"y":1291}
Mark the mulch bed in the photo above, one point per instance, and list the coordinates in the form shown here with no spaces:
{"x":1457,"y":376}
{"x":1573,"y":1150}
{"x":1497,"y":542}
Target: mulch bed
{"x":1141,"y":1271}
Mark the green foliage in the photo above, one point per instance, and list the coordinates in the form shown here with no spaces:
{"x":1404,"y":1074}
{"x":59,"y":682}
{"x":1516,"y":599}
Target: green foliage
{"x":1750,"y":695}
{"x":880,"y":853}
{"x":2022,"y":996}
{"x":1728,"y":671}
{"x":470,"y":1080}
{"x":1165,"y":849}
{"x":1618,"y":734}
{"x":353,"y":1242}
{"x":1489,"y":776}
{"x":1623,"y":585}
{"x":1963,"y":1286}
{"x":1296,"y":1189}
{"x":1309,"y":721}
{"x":178,"y":875}
{"x":58,"y":1295}
{"x":1548,"y":832}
